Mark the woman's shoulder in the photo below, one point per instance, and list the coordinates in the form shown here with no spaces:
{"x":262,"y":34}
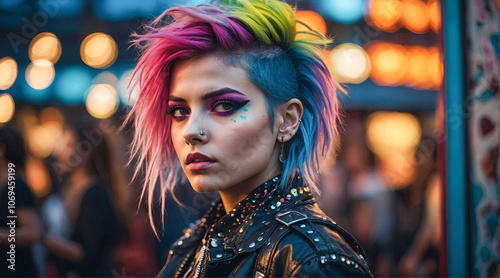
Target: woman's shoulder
{"x":312,"y":244}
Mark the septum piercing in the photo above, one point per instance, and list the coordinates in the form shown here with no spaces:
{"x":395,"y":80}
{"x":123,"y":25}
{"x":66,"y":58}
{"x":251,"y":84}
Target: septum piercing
{"x":202,"y":132}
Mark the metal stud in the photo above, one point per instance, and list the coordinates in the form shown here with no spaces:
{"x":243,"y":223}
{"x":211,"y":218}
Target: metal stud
{"x":278,"y":204}
{"x":275,"y":179}
{"x":240,"y":249}
{"x":171,"y":252}
{"x":273,"y":207}
{"x":219,"y":234}
{"x":356,"y":266}
{"x":303,"y":225}
{"x":316,"y":239}
{"x":241,"y":230}
{"x":260,"y":238}
{"x":342,"y":259}
{"x":180,"y":242}
{"x":218,"y":255}
{"x":251,"y":245}
{"x":334,"y":257}
{"x":323,"y":259}
{"x":348,"y":262}
{"x":309,"y":232}
{"x":214,"y":243}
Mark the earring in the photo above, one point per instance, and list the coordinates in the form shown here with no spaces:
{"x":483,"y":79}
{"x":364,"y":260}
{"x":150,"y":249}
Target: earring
{"x":281,"y":151}
{"x":202,"y":133}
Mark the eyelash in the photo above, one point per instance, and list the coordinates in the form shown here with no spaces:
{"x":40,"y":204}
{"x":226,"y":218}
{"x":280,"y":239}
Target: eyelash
{"x":235,"y":106}
{"x":171,"y":110}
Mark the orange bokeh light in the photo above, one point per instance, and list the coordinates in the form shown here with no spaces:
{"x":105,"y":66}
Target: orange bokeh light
{"x":435,"y":66}
{"x":312,"y":19}
{"x":416,"y":16}
{"x":385,"y":14}
{"x":389,"y":63}
{"x":434,"y":15}
{"x":418,"y":73}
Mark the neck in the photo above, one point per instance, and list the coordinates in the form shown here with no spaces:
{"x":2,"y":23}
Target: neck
{"x":232,"y":196}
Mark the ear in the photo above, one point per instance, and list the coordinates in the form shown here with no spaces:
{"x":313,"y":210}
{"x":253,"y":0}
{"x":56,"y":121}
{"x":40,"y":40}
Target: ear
{"x":289,"y":115}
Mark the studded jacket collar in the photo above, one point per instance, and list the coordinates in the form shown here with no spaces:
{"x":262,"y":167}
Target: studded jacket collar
{"x":246,"y":242}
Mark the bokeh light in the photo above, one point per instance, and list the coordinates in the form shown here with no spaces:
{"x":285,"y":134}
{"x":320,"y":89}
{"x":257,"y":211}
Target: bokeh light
{"x":7,"y":108}
{"x":45,"y":46}
{"x":393,"y":137}
{"x":99,"y":50}
{"x":38,"y":177}
{"x":350,"y":63}
{"x":385,"y":14}
{"x":435,"y":66}
{"x":128,"y":94}
{"x":418,"y":69}
{"x":102,"y":101}
{"x":8,"y":68}
{"x":434,"y":15}
{"x":416,"y":16}
{"x":43,"y":138}
{"x":71,"y":84}
{"x":389,"y":63}
{"x":40,"y":74}
{"x":311,"y":19}
{"x":343,"y":11}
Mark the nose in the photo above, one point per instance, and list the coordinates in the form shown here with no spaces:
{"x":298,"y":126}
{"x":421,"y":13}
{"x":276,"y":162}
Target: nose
{"x":195,"y":131}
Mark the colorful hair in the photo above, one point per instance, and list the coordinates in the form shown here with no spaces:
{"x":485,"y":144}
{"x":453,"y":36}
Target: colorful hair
{"x":256,"y":35}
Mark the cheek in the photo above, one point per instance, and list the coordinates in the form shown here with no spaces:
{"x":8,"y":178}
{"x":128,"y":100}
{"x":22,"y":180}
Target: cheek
{"x":249,"y":140}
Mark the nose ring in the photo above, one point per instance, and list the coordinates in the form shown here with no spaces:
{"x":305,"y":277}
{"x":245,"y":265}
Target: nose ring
{"x":202,"y":133}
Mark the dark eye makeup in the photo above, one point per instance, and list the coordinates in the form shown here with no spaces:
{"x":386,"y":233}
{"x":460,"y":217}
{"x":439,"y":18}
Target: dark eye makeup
{"x":224,"y":104}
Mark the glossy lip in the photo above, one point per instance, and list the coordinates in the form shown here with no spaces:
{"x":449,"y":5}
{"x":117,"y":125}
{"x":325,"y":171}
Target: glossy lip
{"x":198,"y":161}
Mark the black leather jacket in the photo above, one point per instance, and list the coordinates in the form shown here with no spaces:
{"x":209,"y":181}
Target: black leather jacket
{"x":269,"y":234}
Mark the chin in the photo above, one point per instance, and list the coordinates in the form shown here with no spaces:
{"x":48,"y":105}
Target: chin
{"x":203,"y":184}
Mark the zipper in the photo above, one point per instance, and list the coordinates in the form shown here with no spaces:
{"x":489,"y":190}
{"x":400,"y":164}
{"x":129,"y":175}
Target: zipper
{"x":202,"y":257}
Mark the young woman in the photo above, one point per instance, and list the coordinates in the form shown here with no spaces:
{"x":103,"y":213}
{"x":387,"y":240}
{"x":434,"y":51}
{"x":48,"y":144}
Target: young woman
{"x":232,"y":101}
{"x":95,"y":203}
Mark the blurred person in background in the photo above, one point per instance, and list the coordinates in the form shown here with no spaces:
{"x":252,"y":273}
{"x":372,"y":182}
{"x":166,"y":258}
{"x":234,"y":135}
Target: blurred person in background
{"x":28,"y":228}
{"x":369,"y":200}
{"x":95,"y":203}
{"x":418,"y":235}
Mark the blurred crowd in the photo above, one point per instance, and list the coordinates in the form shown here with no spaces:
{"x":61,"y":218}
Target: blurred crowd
{"x":91,"y":222}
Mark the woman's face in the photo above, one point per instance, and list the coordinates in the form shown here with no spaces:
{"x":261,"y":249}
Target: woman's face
{"x":238,"y":150}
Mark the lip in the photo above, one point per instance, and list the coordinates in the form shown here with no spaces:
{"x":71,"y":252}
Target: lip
{"x":198,"y":161}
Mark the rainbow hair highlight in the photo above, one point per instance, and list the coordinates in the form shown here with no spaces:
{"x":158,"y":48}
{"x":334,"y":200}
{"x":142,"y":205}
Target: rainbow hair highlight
{"x":256,"y":35}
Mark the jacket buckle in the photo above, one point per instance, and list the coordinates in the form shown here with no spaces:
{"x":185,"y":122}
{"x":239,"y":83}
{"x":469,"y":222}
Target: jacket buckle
{"x":290,"y":217}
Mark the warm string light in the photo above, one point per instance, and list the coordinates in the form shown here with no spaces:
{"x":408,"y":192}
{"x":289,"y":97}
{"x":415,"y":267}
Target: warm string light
{"x":415,"y":15}
{"x":394,"y":64}
{"x":7,"y":108}
{"x":45,"y":46}
{"x":8,"y":68}
{"x":350,"y":63}
{"x":99,"y":50}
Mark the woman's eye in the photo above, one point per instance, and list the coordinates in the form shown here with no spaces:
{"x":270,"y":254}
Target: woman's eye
{"x":178,"y":112}
{"x":224,"y":107}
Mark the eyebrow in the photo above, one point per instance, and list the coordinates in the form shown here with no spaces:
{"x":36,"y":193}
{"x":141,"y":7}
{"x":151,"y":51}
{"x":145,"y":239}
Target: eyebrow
{"x":209,"y":95}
